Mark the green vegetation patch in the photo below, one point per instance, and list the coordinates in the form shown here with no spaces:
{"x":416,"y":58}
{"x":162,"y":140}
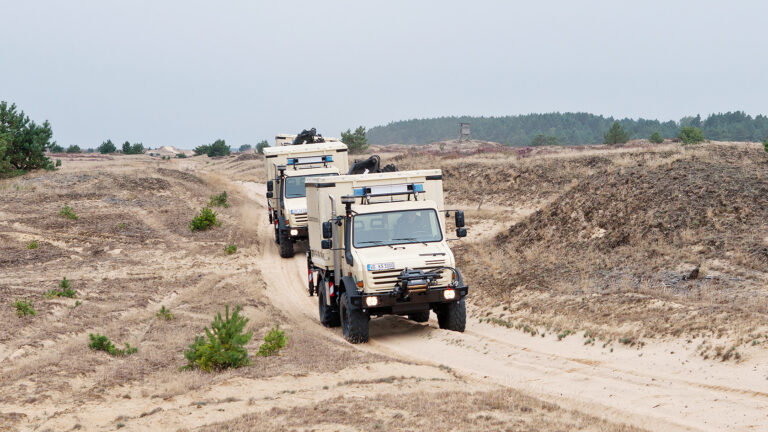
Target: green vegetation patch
{"x":100,"y":342}
{"x":223,"y":346}
{"x":68,"y":213}
{"x":219,"y":200}
{"x":23,"y":308}
{"x":206,"y":219}
{"x":274,"y":341}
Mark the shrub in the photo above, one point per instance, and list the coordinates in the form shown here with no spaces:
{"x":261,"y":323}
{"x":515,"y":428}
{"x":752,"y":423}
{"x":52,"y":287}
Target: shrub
{"x":219,"y":200}
{"x":765,"y":145}
{"x":107,"y":147}
{"x":245,"y":147}
{"x":55,"y":148}
{"x":218,"y":148}
{"x":164,"y":314}
{"x":23,"y":308}
{"x":65,"y":290}
{"x":32,"y":245}
{"x":181,"y":155}
{"x":230,"y":249}
{"x":206,"y":219}
{"x":22,"y":142}
{"x":68,"y":213}
{"x":656,"y":138}
{"x":58,"y":163}
{"x":100,"y":342}
{"x":223,"y":346}
{"x":616,"y":135}
{"x":74,"y":149}
{"x":261,"y":146}
{"x":690,"y":135}
{"x":356,"y":141}
{"x":274,"y":341}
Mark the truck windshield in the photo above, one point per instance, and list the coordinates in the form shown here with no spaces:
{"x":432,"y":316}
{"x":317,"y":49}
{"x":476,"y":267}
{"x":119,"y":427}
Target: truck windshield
{"x":397,"y":227}
{"x":294,"y":186}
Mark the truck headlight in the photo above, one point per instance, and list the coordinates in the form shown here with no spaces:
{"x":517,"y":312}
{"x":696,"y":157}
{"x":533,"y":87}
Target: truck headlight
{"x":371,"y":301}
{"x":449,"y":294}
{"x":294,"y":232}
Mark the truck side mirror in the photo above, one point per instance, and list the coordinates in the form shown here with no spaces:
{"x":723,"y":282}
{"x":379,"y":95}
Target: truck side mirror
{"x":269,"y":194}
{"x":459,"y":217}
{"x":326,"y":244}
{"x":327,"y":230}
{"x":270,"y":186}
{"x":461,"y":232}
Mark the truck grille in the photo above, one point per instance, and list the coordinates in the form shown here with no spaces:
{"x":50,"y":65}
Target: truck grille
{"x":300,"y":218}
{"x":385,"y":280}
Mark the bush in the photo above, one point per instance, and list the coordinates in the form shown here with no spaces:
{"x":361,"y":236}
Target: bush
{"x":68,"y":213}
{"x":691,"y":135}
{"x":274,"y":341}
{"x":181,"y":155}
{"x":656,"y":138}
{"x":58,"y":163}
{"x":223,"y":346}
{"x":55,"y":148}
{"x":107,"y":147}
{"x":65,"y":290}
{"x":137,"y":148}
{"x":616,"y":135}
{"x":218,"y":148}
{"x":32,"y":245}
{"x":219,"y":200}
{"x":164,"y":314}
{"x":22,"y":142}
{"x":102,"y":343}
{"x":74,"y":149}
{"x":261,"y":146}
{"x":545,"y":140}
{"x":23,"y":308}
{"x":245,"y":147}
{"x":230,"y":249}
{"x":356,"y":141}
{"x":206,"y":219}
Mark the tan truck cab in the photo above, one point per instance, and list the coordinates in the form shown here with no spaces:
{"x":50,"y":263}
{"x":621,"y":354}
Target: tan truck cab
{"x":378,"y":245}
{"x":287,"y":169}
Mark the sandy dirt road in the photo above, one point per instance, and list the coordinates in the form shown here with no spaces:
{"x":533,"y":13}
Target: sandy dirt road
{"x":664,"y":386}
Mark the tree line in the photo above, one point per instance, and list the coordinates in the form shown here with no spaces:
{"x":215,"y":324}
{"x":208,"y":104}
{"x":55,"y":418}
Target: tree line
{"x":566,"y":128}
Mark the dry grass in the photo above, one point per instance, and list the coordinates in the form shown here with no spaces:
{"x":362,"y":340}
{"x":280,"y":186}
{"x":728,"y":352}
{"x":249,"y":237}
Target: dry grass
{"x":501,"y":410}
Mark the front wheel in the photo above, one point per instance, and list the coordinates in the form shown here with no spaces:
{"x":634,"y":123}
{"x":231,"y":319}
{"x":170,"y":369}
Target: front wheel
{"x":452,"y":316}
{"x":329,"y":315}
{"x":286,"y":244}
{"x":354,"y":322}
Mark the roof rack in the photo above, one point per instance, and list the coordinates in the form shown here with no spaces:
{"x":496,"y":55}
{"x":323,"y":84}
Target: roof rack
{"x":368,"y":192}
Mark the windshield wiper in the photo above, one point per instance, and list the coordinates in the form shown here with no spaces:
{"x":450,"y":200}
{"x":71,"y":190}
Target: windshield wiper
{"x":411,"y":239}
{"x":380,"y":242}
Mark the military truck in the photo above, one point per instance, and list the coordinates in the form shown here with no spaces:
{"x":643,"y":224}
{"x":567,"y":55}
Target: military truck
{"x":378,"y":245}
{"x":287,"y":168}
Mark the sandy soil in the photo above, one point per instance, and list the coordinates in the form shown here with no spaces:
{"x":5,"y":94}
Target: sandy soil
{"x":492,"y":377}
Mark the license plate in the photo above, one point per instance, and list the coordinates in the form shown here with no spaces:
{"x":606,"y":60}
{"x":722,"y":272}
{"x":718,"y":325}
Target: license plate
{"x":381,"y":266}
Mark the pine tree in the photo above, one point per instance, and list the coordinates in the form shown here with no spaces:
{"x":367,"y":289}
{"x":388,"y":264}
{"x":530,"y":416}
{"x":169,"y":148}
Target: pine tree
{"x":356,"y":141}
{"x":616,"y":135}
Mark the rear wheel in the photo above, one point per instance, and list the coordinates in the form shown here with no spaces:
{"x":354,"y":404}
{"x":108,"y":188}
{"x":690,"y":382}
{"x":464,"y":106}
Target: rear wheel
{"x":354,"y":322}
{"x":286,"y":244}
{"x":419,"y":316}
{"x":329,"y":315}
{"x":452,"y":316}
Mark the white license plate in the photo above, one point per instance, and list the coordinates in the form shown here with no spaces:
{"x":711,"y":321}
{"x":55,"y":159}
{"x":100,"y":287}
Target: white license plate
{"x":381,"y":266}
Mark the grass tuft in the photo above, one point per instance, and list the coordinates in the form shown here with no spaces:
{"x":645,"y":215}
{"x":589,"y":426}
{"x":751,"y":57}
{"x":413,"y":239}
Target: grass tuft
{"x":230,"y":249}
{"x":165,"y":314}
{"x":32,"y":245}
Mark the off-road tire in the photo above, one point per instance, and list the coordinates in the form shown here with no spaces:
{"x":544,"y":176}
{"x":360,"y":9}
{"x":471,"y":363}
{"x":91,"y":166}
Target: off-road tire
{"x":286,"y":244}
{"x":419,"y":316}
{"x":354,"y":322}
{"x":329,"y":315}
{"x":452,"y":316}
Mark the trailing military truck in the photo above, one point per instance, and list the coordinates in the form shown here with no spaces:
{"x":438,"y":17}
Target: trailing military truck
{"x":378,"y":246}
{"x":287,"y":168}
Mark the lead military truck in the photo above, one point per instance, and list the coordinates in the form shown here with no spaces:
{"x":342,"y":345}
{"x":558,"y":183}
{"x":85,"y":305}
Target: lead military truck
{"x":287,"y":167}
{"x":378,"y":246}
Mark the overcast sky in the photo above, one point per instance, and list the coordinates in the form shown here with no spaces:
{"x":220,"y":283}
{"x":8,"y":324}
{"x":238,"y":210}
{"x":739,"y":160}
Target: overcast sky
{"x":187,"y":72}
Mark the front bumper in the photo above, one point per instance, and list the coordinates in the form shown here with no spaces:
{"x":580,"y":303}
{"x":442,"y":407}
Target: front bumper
{"x":415,"y":302}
